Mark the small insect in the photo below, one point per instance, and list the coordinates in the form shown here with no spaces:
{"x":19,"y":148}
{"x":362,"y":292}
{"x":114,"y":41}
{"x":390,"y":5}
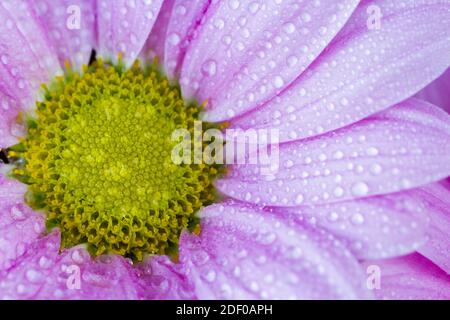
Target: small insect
{"x":4,"y":155}
{"x":93,"y":57}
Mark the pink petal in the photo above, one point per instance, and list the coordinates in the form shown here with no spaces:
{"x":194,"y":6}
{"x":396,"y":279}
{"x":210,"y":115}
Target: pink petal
{"x":173,"y":31}
{"x":372,"y":228}
{"x":9,"y":128}
{"x":26,"y":61}
{"x":163,"y":279}
{"x":10,"y":190}
{"x":246,"y":52}
{"x":403,"y":147}
{"x":437,"y":249}
{"x":438,"y":92}
{"x":19,"y":225}
{"x":71,"y":41}
{"x":411,"y":278}
{"x":362,"y":71}
{"x":44,"y":273}
{"x":123,"y":26}
{"x":244,"y":253}
{"x":187,"y":17}
{"x":154,"y":45}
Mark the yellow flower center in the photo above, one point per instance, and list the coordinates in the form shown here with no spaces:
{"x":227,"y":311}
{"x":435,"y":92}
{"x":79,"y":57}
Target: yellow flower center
{"x":97,"y":159}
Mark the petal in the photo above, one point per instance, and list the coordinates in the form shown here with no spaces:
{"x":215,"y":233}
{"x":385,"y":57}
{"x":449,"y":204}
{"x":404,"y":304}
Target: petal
{"x":372,"y":228}
{"x":163,"y":279}
{"x":403,"y":147}
{"x":244,"y":253}
{"x":123,"y":27}
{"x":186,"y":19}
{"x":70,"y":25}
{"x":247,"y":52}
{"x":26,"y":59}
{"x":363,"y":71}
{"x":19,"y":225}
{"x":10,"y":190}
{"x":173,"y":32}
{"x":10,"y":129}
{"x":154,"y":46}
{"x":43,"y":273}
{"x":411,"y":278}
{"x":438,"y":92}
{"x":437,"y":249}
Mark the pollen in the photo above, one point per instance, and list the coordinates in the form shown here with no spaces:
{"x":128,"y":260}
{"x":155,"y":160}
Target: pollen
{"x":97,"y":161}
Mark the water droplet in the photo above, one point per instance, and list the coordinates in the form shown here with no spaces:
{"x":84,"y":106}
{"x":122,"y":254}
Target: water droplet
{"x":292,"y":61}
{"x":306,"y":17}
{"x":289,"y":164}
{"x":289,"y":28}
{"x":230,"y":113}
{"x":33,"y":275}
{"x":338,"y":192}
{"x":299,"y":199}
{"x":219,"y":24}
{"x":376,"y":169}
{"x":209,"y":68}
{"x":210,"y":276}
{"x":234,"y":4}
{"x":174,"y":39}
{"x":181,"y":10}
{"x":372,"y":151}
{"x":77,"y":257}
{"x":338,"y":155}
{"x":360,"y":189}
{"x":357,"y":218}
{"x":226,"y":291}
{"x":333,"y":216}
{"x":278,"y":82}
{"x":297,"y":253}
{"x":268,"y":278}
{"x":44,"y":262}
{"x":4,"y":59}
{"x":253,"y":7}
{"x":17,"y":214}
{"x":254,"y":286}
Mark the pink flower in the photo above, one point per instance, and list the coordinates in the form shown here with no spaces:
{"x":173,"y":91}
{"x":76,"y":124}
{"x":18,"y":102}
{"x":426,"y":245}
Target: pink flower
{"x":361,"y":165}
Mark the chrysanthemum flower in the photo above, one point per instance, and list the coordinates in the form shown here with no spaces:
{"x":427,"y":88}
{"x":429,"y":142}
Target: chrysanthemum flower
{"x":91,"y":205}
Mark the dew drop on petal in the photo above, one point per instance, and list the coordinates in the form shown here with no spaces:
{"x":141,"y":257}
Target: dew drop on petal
{"x":360,"y":189}
{"x":278,"y":82}
{"x":289,"y":28}
{"x":338,"y":192}
{"x":357,"y":218}
{"x":174,"y":39}
{"x":375,"y":169}
{"x":209,"y":68}
{"x":299,"y":198}
{"x":210,"y":276}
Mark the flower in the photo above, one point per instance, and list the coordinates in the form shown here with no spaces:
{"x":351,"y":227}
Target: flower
{"x":358,"y":184}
